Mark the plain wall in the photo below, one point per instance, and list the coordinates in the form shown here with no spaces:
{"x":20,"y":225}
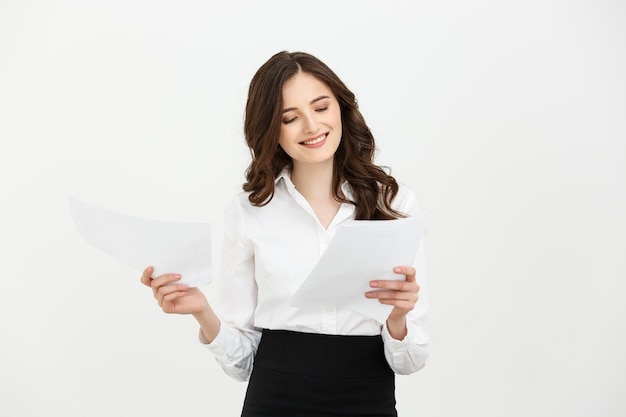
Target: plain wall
{"x":507,"y":118}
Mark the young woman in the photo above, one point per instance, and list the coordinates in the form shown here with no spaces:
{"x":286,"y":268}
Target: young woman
{"x":312,"y":169}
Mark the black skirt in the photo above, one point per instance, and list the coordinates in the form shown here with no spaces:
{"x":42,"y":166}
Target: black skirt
{"x":304,"y":374}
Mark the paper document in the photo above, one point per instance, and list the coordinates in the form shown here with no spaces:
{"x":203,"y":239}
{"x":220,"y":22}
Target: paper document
{"x":361,"y":251}
{"x":170,"y":247}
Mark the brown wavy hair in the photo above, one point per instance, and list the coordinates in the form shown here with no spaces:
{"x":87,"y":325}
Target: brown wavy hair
{"x":373,"y":188}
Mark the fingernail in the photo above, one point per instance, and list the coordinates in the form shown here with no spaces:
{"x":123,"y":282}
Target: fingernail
{"x":397,"y":269}
{"x":373,"y":283}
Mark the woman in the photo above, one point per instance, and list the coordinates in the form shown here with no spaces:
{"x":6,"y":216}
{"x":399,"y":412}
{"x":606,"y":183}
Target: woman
{"x":312,"y":169}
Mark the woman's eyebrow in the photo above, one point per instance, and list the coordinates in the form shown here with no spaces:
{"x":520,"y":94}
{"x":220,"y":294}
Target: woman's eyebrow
{"x":312,"y":102}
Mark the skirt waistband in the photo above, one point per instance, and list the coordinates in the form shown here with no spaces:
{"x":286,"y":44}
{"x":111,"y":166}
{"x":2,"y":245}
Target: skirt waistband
{"x":312,"y":354}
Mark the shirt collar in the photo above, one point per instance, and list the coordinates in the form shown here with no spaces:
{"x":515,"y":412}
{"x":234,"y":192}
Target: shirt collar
{"x":346,"y":210}
{"x":285,"y":175}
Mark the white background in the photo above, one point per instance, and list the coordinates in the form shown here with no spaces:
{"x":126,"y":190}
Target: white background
{"x":506,"y":117}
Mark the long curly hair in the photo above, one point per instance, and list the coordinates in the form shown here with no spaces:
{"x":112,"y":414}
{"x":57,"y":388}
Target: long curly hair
{"x":373,"y":188}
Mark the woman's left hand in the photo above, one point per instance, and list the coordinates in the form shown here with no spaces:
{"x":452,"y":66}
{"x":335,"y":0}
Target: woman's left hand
{"x":402,"y":295}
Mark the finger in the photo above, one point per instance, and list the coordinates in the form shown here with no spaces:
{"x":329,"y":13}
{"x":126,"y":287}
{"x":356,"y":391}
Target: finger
{"x":169,"y":293}
{"x":146,"y":277}
{"x":164,"y":280}
{"x":396,"y":285}
{"x":393,"y":295}
{"x":168,"y":303}
{"x":166,"y":290}
{"x":175,"y":294}
{"x":408,"y":271}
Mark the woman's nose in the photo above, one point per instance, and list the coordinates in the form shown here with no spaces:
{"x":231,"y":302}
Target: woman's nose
{"x":310,"y":124}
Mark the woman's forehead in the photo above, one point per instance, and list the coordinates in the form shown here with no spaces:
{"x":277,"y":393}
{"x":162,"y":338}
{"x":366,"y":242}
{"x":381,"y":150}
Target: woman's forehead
{"x":302,"y":88}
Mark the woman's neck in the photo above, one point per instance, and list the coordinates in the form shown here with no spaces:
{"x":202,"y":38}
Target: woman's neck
{"x":314,"y":182}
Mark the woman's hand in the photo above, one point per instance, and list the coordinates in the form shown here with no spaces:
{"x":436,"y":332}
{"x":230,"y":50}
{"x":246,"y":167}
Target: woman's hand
{"x":172,"y":297}
{"x":401,"y":294}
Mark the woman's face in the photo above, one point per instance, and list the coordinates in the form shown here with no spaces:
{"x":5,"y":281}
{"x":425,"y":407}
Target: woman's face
{"x":311,"y":121}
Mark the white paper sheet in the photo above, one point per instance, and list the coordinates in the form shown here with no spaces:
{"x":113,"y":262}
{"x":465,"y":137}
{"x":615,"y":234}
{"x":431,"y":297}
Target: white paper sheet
{"x":170,"y":247}
{"x":362,"y":251}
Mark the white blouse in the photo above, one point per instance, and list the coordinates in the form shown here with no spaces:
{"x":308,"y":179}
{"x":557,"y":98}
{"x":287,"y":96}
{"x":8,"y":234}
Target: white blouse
{"x":268,"y":252}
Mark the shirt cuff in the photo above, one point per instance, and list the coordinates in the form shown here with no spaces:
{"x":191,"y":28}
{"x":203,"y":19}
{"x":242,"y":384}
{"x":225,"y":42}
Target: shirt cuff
{"x":217,"y":345}
{"x":415,"y":335}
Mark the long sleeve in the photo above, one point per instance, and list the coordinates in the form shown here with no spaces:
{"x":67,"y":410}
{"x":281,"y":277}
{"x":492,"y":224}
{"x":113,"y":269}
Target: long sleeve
{"x":409,"y":355}
{"x":235,"y":346}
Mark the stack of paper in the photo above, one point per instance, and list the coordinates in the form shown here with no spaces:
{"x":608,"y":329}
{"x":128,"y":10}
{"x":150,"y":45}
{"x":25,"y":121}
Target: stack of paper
{"x":170,"y":247}
{"x":362,"y":251}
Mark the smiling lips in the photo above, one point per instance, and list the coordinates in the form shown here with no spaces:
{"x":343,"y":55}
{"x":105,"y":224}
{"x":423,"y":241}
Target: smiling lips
{"x":315,"y":141}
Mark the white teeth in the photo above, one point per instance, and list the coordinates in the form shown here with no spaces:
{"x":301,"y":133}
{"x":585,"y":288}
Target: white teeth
{"x":314,"y":141}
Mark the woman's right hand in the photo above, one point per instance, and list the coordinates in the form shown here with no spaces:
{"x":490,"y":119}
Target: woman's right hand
{"x":172,"y":297}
